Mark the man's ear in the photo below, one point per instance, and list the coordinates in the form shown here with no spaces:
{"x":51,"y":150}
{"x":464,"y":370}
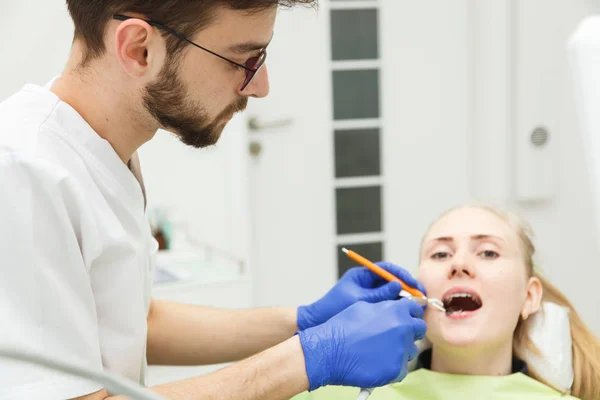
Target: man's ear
{"x":133,"y":41}
{"x":533,"y":300}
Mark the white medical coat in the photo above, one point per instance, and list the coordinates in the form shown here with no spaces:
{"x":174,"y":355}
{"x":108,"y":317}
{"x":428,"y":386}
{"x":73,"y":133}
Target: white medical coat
{"x":75,"y":250}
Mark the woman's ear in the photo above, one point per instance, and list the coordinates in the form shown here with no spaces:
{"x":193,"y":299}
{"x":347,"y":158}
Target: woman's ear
{"x":533,"y":300}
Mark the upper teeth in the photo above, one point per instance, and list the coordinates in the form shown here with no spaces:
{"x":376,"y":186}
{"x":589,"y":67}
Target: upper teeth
{"x":455,"y":295}
{"x":461,"y":295}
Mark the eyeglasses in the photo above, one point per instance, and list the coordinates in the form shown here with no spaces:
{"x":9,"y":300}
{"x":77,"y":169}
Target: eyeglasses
{"x":251,"y":66}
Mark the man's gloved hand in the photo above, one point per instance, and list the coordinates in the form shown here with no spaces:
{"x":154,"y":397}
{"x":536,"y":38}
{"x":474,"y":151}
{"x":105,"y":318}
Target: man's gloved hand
{"x":357,"y":284}
{"x":367,"y":345}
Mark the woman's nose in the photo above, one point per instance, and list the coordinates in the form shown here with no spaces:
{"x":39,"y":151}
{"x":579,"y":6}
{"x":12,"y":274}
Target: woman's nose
{"x":461,"y":265}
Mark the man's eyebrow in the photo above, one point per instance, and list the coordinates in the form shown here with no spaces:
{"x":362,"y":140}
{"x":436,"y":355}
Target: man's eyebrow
{"x":246,"y":47}
{"x":249,"y":46}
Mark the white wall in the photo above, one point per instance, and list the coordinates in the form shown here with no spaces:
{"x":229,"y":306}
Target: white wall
{"x":35,"y":41}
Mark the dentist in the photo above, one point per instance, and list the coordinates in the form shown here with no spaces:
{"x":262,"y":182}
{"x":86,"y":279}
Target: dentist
{"x":75,"y":282}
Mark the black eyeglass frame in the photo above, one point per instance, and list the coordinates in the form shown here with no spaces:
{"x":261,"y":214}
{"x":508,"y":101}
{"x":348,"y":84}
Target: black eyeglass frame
{"x":250,"y":72}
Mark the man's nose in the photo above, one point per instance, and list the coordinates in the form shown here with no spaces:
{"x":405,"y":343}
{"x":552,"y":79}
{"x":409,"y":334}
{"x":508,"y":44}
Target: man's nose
{"x":259,"y":86}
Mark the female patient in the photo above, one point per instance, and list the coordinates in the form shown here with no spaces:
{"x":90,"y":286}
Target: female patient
{"x":479,"y":261}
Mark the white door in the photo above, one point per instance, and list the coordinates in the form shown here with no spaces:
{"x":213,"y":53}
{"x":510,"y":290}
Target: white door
{"x":290,"y":178}
{"x":364,"y":117}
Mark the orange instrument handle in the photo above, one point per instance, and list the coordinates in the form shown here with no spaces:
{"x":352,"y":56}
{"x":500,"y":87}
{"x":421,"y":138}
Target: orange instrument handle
{"x":376,"y":269}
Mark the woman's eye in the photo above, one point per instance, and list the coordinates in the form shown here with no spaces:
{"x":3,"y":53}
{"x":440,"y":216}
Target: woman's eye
{"x":490,"y":254}
{"x":441,"y":255}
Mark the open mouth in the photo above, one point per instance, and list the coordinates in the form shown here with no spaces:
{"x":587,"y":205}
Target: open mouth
{"x":461,"y":302}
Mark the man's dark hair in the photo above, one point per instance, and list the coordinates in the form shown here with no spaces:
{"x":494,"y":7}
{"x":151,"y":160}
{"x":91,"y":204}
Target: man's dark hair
{"x":184,"y":16}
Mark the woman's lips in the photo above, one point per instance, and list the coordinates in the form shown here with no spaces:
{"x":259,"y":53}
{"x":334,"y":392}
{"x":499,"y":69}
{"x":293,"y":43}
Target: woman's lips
{"x":462,"y":314}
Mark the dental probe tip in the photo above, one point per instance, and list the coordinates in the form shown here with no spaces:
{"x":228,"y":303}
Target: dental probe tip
{"x":438,"y":306}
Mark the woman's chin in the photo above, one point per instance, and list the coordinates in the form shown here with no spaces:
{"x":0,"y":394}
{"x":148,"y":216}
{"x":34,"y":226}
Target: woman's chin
{"x":461,"y":336}
{"x":457,"y":342}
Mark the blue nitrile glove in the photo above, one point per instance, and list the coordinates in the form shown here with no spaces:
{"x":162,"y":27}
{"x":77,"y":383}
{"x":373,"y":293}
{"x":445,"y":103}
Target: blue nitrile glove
{"x":357,"y":284}
{"x":367,"y":345}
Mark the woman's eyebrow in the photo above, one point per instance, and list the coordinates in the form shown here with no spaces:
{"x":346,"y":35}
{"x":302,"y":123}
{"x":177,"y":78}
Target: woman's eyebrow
{"x":487,"y":237}
{"x":450,"y":239}
{"x":443,"y":239}
{"x":435,"y":241}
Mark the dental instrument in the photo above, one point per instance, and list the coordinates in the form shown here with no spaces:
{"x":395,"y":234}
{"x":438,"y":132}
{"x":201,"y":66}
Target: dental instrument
{"x":112,"y":383}
{"x":407,"y":291}
{"x":364,"y":394}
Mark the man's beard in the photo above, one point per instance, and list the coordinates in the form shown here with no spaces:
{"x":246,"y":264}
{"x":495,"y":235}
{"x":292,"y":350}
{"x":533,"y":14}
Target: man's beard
{"x":167,"y":101}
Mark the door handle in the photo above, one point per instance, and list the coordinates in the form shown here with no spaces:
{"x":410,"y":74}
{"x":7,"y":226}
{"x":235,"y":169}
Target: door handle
{"x":254,"y":124}
{"x":255,"y":149}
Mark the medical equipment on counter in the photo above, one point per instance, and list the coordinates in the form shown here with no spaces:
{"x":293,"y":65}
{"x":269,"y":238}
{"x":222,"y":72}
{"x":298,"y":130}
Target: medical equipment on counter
{"x":113,"y":384}
{"x":408,"y":292}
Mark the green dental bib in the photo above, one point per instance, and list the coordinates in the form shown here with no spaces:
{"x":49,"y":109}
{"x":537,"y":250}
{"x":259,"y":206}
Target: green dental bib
{"x":424,"y":384}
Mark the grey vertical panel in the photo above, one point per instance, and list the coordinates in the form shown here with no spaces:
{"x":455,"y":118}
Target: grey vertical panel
{"x":358,"y":210}
{"x":356,"y":94}
{"x":357,"y":153}
{"x":354,"y":34}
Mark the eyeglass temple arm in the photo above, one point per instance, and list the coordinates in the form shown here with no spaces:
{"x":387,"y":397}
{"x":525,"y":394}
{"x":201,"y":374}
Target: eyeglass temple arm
{"x":179,"y":36}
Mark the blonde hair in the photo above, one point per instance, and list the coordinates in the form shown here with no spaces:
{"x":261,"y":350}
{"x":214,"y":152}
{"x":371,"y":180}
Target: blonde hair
{"x":586,"y":347}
